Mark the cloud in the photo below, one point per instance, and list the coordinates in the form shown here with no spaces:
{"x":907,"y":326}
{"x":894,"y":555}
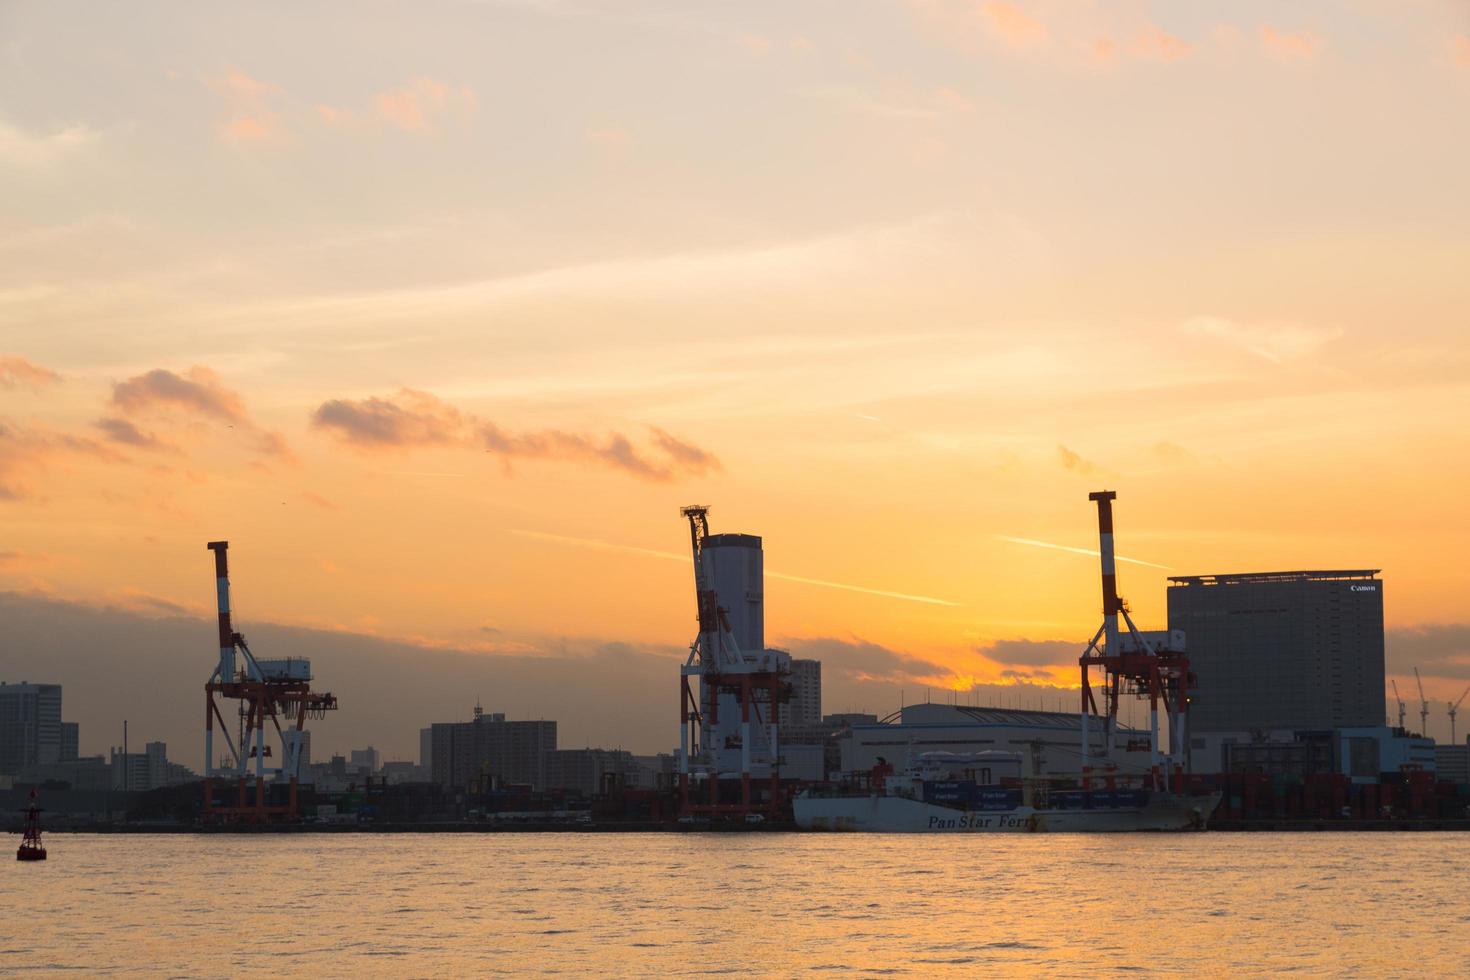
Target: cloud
{"x":137,"y":601}
{"x":1032,"y":653}
{"x":411,"y":419}
{"x":317,"y":500}
{"x":17,"y":371}
{"x":25,"y":453}
{"x":857,"y":659}
{"x":250,"y":113}
{"x":1013,"y":25}
{"x":22,"y":149}
{"x":1438,"y":650}
{"x":1460,"y":49}
{"x":1299,"y":47}
{"x":1277,"y":342}
{"x":197,"y":392}
{"x":423,"y":104}
{"x":609,"y":139}
{"x":1155,"y":44}
{"x":1170,"y":452}
{"x":124,"y":432}
{"x":756,"y":45}
{"x":1075,"y":463}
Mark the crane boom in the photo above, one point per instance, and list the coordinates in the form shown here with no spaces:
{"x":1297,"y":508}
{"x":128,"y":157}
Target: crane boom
{"x":1397,"y":697}
{"x":1454,"y":710}
{"x":1423,"y":706}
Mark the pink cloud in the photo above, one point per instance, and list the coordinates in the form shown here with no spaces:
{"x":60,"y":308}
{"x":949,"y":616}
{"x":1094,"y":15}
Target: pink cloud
{"x":1460,"y":48}
{"x":412,"y":419}
{"x":423,"y":103}
{"x":756,"y":45}
{"x":1013,"y":25}
{"x":1289,"y":47}
{"x":250,"y":115}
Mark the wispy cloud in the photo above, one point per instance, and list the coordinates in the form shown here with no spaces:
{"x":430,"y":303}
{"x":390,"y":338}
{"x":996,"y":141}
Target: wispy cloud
{"x":1033,"y":543}
{"x":1075,"y":463}
{"x":1274,"y":341}
{"x":26,"y":149}
{"x":673,"y":556}
{"x":410,"y":419}
{"x":18,"y":372}
{"x":28,"y":452}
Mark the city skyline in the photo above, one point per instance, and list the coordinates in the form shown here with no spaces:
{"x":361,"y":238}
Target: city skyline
{"x":442,"y":351}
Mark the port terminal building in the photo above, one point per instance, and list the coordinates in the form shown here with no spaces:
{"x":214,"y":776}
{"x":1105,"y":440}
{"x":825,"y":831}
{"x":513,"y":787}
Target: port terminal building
{"x":1056,"y":736}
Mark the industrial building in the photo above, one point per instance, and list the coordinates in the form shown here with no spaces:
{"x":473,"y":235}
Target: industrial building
{"x":1055,"y":737}
{"x":1452,"y":762}
{"x":1362,"y":754}
{"x":1283,"y":650}
{"x":513,"y":752}
{"x":585,"y":771}
{"x":31,"y":731}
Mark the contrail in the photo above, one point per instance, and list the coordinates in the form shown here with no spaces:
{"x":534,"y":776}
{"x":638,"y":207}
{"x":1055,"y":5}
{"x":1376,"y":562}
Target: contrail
{"x":672,"y":556}
{"x":1076,"y":551}
{"x":858,"y":588}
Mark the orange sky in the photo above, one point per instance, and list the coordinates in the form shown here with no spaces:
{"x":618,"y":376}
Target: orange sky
{"x":439,"y":313}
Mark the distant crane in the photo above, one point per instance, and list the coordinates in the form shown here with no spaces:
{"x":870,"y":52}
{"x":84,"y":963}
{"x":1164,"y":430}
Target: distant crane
{"x":1454,"y":710}
{"x":1423,"y":706}
{"x":1399,"y":699}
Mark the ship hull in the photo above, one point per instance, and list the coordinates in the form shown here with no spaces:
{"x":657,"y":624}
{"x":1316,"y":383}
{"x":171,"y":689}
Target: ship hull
{"x":901,"y":815}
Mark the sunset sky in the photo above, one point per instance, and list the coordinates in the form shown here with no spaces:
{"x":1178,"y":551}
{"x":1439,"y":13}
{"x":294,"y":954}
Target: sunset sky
{"x":439,"y":312}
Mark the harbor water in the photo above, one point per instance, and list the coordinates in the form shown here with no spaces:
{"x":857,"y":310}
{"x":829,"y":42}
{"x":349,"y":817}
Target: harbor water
{"x":769,"y":904}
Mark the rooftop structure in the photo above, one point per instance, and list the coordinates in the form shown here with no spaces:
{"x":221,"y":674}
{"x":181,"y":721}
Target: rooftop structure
{"x":1248,"y":578}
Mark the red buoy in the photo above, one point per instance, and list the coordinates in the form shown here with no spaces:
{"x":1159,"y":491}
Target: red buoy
{"x":30,"y":843}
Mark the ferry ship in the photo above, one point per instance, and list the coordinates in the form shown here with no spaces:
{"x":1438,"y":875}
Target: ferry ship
{"x":984,"y":792}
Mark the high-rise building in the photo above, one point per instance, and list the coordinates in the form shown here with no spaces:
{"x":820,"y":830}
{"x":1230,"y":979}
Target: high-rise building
{"x":805,"y":705}
{"x":70,"y":741}
{"x":30,"y":726}
{"x":512,"y":751}
{"x":426,"y":749}
{"x":1282,"y":650}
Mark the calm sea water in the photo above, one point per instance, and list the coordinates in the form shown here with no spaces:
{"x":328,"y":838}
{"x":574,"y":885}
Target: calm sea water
{"x":757,"y":904}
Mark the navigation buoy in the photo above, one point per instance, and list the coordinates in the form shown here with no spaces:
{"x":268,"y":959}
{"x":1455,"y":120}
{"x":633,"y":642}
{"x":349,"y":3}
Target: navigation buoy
{"x":30,"y":843}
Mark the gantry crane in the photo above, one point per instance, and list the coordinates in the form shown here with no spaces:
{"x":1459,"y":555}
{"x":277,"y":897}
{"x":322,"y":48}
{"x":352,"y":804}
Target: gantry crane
{"x":1145,"y":665}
